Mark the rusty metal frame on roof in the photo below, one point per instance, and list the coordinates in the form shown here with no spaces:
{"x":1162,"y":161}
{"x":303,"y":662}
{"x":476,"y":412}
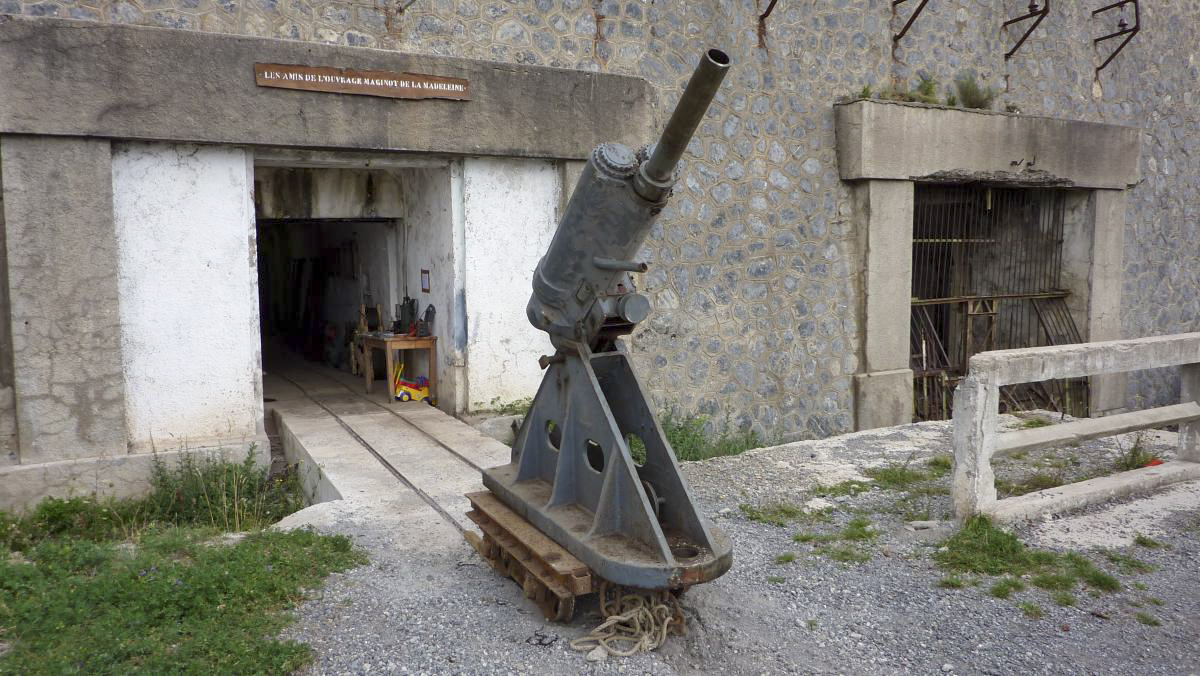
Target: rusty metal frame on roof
{"x":1123,"y":28}
{"x":1034,"y":13}
{"x":911,"y":18}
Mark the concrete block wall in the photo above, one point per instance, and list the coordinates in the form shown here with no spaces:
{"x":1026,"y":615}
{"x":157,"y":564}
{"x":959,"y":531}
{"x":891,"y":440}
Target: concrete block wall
{"x":754,"y":263}
{"x":63,"y":305}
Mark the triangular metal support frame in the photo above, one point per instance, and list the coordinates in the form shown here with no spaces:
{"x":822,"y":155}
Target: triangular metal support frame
{"x":572,"y":476}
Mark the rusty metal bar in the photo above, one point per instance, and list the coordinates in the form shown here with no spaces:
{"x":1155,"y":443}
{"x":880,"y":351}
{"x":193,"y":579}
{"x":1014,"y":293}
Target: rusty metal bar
{"x":1040,"y":14}
{"x":911,"y":18}
{"x":1123,"y":28}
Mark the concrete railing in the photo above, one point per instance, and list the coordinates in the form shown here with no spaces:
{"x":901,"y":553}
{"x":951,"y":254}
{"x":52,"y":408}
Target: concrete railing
{"x":977,"y":441}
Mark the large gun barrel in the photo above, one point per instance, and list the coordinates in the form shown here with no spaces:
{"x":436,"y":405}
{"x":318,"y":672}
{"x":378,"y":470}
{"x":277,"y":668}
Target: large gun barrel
{"x":582,"y":283}
{"x":701,"y":89}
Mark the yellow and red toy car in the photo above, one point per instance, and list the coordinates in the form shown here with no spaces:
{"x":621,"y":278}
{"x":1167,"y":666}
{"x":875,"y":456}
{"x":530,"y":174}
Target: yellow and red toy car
{"x":407,"y":390}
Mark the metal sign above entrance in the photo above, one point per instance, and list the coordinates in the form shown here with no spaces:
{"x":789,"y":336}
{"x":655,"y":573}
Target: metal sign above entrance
{"x":361,"y":82}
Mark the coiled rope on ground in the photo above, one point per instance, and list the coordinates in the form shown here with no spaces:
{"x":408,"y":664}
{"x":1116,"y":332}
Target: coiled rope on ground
{"x":634,"y":621}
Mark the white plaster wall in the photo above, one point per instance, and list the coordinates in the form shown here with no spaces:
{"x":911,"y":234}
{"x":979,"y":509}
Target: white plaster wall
{"x":188,"y":294}
{"x":429,"y":245}
{"x":511,"y":214}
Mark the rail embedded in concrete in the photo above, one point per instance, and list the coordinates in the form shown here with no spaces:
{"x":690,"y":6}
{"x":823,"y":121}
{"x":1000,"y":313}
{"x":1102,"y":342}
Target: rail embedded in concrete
{"x":977,"y":440}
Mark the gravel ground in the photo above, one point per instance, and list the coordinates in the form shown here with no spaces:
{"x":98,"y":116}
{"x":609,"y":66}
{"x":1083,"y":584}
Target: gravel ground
{"x":440,"y":610}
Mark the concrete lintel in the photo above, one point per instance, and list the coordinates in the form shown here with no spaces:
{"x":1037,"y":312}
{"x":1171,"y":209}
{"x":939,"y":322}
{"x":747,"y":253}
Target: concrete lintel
{"x":883,"y":399}
{"x":119,"y":476}
{"x":1053,"y":501}
{"x":75,"y":78}
{"x":1036,"y":364}
{"x":900,"y":141}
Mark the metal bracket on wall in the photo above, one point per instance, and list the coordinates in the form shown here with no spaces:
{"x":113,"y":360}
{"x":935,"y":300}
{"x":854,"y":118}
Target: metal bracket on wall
{"x":1123,"y":28}
{"x":911,"y":19}
{"x":1034,"y":13}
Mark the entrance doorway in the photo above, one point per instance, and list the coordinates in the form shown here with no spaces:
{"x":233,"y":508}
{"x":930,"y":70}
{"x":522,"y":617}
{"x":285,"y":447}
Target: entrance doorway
{"x":987,"y":274}
{"x":343,"y":251}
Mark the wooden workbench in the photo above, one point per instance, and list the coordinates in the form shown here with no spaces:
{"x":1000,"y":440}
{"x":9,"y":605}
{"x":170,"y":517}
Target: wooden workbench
{"x":391,"y":343}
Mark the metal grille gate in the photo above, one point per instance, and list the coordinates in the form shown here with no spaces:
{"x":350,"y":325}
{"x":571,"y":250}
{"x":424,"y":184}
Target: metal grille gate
{"x":987,"y":275}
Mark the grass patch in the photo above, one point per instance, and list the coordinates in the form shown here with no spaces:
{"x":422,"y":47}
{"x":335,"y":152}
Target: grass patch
{"x":1128,"y":564}
{"x":1135,"y":458}
{"x":516,"y":407}
{"x":814,"y":537}
{"x":688,"y":438}
{"x":895,"y":476}
{"x":777,"y":514}
{"x":1155,"y":601}
{"x":1034,"y":423}
{"x":175,"y":605}
{"x":1090,"y":575}
{"x":845,"y":554}
{"x":982,"y":548}
{"x":1039,"y":481}
{"x":859,"y":528}
{"x":1147,"y":542}
{"x":952,"y":582}
{"x":107,"y":586}
{"x":1063,"y":598}
{"x":1140,"y":586}
{"x":1147,"y":619}
{"x":1032,"y":610}
{"x":849,"y":488}
{"x":786,"y":558}
{"x":1053,"y":581}
{"x":1006,"y":587}
{"x":776,"y":579}
{"x":940,"y":465}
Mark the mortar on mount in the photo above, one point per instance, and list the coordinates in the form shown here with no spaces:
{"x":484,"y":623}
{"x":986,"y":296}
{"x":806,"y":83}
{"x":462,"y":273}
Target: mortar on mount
{"x":571,"y":475}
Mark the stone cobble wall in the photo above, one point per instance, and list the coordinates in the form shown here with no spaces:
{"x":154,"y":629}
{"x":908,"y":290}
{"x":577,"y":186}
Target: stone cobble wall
{"x":754,"y":265}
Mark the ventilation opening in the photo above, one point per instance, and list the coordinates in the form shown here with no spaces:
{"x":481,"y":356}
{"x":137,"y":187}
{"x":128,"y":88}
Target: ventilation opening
{"x":595,"y":455}
{"x":637,"y":449}
{"x":987,"y":275}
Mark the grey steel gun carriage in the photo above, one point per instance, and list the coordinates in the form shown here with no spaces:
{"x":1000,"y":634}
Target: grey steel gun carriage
{"x":572,"y":475}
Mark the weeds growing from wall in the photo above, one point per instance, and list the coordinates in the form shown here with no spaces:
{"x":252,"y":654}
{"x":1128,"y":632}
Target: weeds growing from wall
{"x":196,"y":491}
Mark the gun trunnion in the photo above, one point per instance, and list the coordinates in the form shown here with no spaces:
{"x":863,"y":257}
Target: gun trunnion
{"x":572,"y":475}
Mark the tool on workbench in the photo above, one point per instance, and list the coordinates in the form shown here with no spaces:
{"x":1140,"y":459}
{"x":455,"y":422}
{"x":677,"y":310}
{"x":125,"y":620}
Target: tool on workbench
{"x":573,"y":507}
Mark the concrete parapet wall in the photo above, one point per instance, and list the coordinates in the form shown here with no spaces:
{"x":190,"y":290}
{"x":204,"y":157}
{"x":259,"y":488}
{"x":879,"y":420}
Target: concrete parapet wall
{"x":977,"y":441}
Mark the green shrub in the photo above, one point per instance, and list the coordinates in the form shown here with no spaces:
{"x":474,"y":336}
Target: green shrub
{"x":971,"y":94}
